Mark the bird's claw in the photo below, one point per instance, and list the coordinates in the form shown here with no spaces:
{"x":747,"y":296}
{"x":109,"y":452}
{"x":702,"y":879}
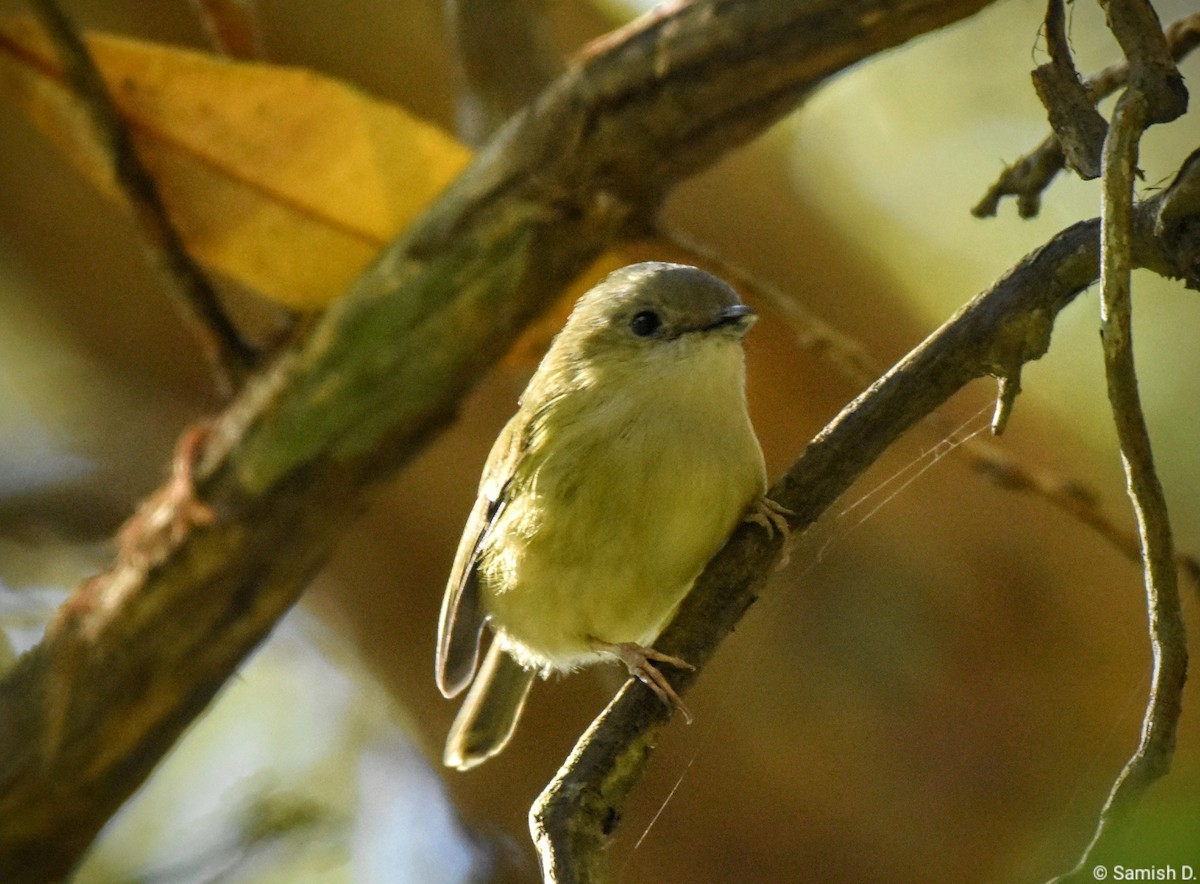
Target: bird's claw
{"x":773,"y":518}
{"x":640,"y":663}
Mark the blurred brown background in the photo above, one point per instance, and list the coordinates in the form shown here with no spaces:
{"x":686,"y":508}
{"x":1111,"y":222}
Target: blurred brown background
{"x":940,"y":692}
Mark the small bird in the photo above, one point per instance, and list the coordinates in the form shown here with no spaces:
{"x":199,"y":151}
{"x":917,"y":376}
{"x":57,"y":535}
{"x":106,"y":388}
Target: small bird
{"x":630,"y":460}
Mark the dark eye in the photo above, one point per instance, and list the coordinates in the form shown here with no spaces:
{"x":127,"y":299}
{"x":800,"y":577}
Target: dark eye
{"x":645,"y":323}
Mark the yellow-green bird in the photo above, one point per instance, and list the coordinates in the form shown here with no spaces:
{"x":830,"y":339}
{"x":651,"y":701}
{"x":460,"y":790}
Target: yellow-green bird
{"x":629,"y":461}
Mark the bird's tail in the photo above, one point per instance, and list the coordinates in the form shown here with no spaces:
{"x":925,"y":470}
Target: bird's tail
{"x":490,"y":711}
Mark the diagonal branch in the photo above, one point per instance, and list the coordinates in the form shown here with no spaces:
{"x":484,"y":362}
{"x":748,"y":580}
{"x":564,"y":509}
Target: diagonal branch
{"x":574,"y":818}
{"x":289,"y":462}
{"x":1153,"y":75}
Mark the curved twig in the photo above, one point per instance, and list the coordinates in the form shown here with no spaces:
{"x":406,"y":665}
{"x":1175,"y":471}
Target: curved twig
{"x":1153,"y":96}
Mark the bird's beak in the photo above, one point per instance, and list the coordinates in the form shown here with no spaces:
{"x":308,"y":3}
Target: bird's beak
{"x":734,"y":314}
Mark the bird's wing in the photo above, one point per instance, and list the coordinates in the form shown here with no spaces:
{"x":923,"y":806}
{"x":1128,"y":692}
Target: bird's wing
{"x":460,"y":626}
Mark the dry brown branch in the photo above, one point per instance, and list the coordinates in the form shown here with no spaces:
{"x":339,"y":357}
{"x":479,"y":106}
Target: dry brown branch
{"x":1028,"y":177}
{"x":289,"y":462}
{"x":1154,"y":80}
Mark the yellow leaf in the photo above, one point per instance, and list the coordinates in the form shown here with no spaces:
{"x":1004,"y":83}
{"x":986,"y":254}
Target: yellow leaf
{"x":278,"y":179}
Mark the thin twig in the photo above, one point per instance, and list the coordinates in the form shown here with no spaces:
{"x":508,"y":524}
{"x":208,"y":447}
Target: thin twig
{"x":229,"y":354}
{"x":1152,"y":759}
{"x":1028,"y":177}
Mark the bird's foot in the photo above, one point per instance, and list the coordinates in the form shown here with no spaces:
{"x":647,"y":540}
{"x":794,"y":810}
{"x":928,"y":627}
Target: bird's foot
{"x":640,"y":663}
{"x":773,"y":518}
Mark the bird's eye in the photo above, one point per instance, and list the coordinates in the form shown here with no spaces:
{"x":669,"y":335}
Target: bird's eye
{"x":645,"y":323}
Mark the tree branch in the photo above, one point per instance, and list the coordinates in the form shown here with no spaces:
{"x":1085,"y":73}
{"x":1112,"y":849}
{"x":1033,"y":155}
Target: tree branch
{"x":1077,"y":124}
{"x":1029,"y":176}
{"x":576,"y":815}
{"x":1155,"y":94}
{"x":149,"y":643}
{"x":1153,"y":76}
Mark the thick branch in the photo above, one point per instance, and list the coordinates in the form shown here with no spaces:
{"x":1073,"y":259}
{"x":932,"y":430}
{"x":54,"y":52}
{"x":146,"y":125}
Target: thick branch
{"x":1153,"y":76}
{"x":577,"y":813}
{"x":148,"y":645}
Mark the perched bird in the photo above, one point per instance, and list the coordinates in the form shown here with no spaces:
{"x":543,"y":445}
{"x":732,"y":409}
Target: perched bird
{"x":629,"y":461}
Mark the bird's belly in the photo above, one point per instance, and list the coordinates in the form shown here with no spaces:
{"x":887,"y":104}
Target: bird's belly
{"x":605,"y":544}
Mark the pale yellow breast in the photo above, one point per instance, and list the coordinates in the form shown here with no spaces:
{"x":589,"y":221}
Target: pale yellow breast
{"x":627,"y":502}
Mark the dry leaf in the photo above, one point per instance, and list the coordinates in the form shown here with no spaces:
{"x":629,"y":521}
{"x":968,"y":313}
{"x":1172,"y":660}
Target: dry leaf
{"x":278,"y":179}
